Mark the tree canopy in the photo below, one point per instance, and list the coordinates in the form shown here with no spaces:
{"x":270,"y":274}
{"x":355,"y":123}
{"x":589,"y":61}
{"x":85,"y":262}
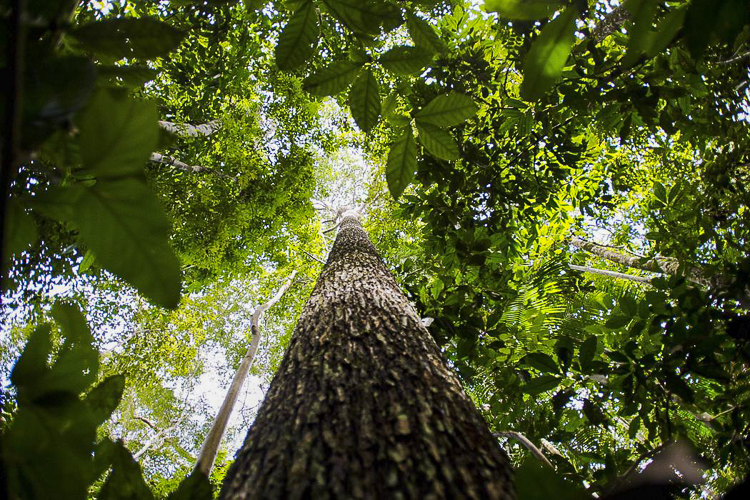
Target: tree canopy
{"x":558,"y":186}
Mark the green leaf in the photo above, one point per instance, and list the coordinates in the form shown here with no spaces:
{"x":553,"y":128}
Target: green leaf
{"x":72,"y":322}
{"x":629,"y":306}
{"x":541,"y":384}
{"x":595,"y":414}
{"x":545,"y":61}
{"x":437,"y":141}
{"x":125,"y":227}
{"x":32,"y":364}
{"x":447,"y":110}
{"x":125,"y":482}
{"x":541,"y":361}
{"x":660,"y":192}
{"x":194,"y":487}
{"x":117,"y":134}
{"x":522,"y":10}
{"x":617,"y":322}
{"x":104,"y":398}
{"x":87,"y":261}
{"x":359,"y":16}
{"x":424,"y":35}
{"x":667,"y":30}
{"x":77,"y":363}
{"x":54,"y":90}
{"x":402,"y":162}
{"x":143,"y":37}
{"x":333,"y":79}
{"x":535,"y":481}
{"x":20,"y":229}
{"x":678,"y":386}
{"x":364,"y":100}
{"x":132,"y":76}
{"x":298,"y":39}
{"x":640,"y":35}
{"x":587,"y":352}
{"x":405,"y":60}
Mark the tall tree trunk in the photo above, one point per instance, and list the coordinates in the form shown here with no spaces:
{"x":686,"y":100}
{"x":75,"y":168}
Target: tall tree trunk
{"x":363,"y":404}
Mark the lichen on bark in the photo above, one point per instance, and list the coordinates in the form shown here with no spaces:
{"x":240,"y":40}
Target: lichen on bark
{"x":363,"y":405}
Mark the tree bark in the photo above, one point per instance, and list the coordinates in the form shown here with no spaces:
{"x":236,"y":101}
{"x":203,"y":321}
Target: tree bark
{"x":363,"y":404}
{"x":210,"y":446}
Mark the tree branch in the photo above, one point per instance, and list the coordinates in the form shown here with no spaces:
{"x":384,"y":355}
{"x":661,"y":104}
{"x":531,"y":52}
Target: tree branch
{"x":525,"y":441}
{"x":187,"y":130}
{"x":611,"y":274}
{"x":193,"y":169}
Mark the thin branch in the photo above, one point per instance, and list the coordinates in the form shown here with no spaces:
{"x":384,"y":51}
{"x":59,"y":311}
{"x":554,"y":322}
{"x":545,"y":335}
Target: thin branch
{"x":210,"y":447}
{"x":313,"y":257}
{"x":525,"y":441}
{"x":735,"y":59}
{"x":148,"y":422}
{"x":156,"y":437}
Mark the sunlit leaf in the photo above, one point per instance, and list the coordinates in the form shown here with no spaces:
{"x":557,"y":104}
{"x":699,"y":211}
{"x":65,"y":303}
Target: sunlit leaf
{"x":437,"y":141}
{"x":364,"y":100}
{"x":447,"y":110}
{"x":404,"y":60}
{"x":333,"y":79}
{"x":545,"y":61}
{"x":298,"y":39}
{"x":424,"y":35}
{"x":402,"y":162}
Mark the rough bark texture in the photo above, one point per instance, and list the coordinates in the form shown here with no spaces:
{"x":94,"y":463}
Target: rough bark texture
{"x":363,"y":404}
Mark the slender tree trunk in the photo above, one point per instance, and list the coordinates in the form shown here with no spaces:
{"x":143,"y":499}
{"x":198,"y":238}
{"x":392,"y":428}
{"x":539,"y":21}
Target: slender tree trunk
{"x":210,"y":447}
{"x":363,"y":405}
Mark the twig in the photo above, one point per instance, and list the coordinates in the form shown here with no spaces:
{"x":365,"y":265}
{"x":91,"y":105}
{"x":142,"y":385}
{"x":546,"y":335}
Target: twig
{"x":313,"y":257}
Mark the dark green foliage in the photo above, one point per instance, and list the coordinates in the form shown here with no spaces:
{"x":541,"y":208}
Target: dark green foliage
{"x":50,"y":448}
